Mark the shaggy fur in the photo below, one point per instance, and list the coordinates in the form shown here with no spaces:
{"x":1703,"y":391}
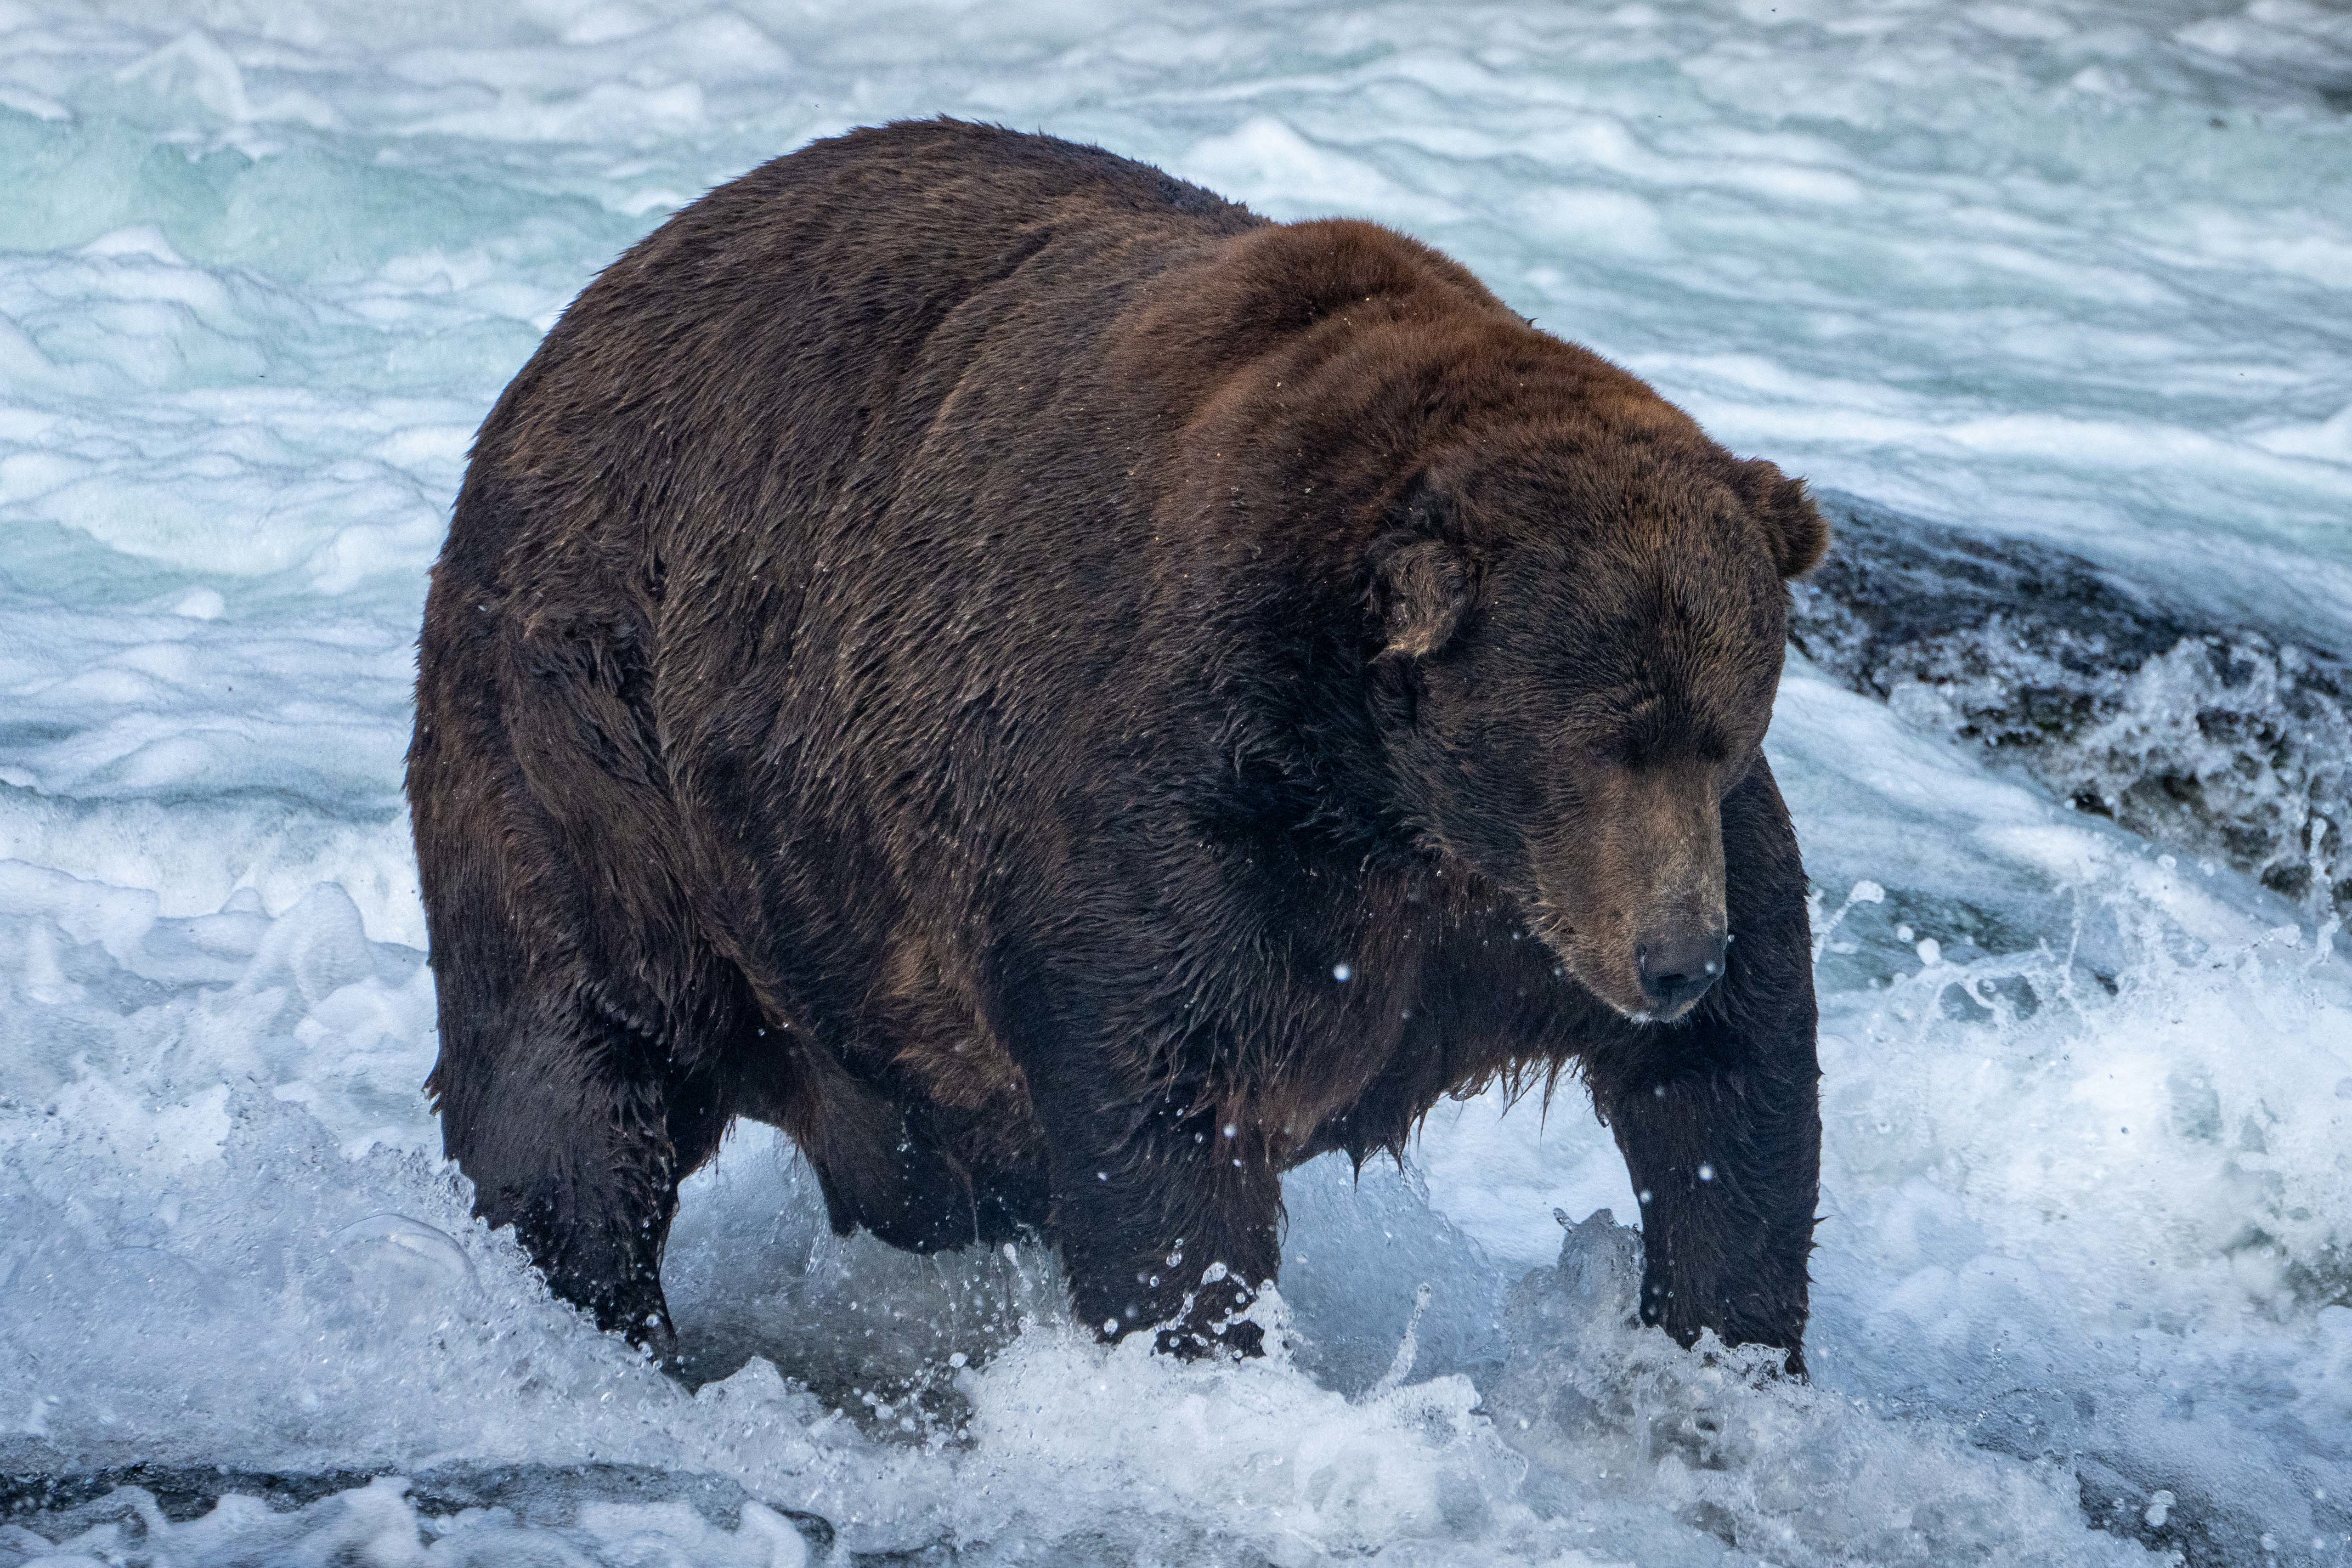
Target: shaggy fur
{"x":1070,"y":699}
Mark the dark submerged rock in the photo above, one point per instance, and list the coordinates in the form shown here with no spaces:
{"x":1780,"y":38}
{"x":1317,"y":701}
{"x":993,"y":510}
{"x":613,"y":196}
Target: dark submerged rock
{"x":2227,"y":743}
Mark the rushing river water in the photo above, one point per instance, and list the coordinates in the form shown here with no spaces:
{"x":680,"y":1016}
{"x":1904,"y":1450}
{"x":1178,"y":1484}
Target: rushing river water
{"x":2056,"y":299}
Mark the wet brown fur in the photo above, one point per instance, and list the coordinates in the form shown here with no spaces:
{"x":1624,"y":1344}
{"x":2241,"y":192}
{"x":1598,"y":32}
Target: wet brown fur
{"x":955,"y":639}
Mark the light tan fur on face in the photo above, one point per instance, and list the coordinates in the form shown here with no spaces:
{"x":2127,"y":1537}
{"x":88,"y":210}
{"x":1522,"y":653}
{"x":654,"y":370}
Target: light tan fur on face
{"x":1649,"y":860}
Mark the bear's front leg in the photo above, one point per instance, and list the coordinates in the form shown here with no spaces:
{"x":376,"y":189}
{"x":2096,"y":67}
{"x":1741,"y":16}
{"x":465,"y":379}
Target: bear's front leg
{"x":1167,"y":1208}
{"x":1725,"y":1166}
{"x":1719,"y":1116}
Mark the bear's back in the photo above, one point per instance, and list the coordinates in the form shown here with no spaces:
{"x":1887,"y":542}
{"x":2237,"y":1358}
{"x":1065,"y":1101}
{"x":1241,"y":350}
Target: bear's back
{"x":727,"y":546}
{"x":783,"y":314}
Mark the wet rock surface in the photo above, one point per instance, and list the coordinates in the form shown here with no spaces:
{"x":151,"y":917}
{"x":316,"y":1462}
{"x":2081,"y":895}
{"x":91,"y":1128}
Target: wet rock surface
{"x":2226,"y":743}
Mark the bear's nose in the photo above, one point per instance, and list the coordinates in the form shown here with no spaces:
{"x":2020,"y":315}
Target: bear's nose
{"x":1677,"y":970}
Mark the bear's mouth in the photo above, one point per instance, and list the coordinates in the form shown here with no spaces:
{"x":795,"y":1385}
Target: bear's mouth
{"x":1582,"y":963}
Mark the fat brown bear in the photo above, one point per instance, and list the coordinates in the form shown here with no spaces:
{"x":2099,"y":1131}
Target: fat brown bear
{"x":1070,"y":699}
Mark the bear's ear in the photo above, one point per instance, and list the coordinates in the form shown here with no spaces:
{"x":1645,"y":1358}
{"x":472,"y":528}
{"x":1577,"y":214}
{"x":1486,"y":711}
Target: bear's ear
{"x":1421,"y":584}
{"x":1421,"y":591}
{"x":1798,"y":533}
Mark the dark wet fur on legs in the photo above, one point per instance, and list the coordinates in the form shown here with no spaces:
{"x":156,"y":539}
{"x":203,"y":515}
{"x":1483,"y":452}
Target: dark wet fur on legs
{"x":1070,"y":699}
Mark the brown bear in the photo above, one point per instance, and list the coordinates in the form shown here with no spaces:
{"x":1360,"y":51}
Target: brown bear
{"x":1070,"y":699}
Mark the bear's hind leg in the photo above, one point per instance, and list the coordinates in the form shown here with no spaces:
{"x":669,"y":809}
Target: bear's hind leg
{"x":564,"y":1127}
{"x":576,"y":1127}
{"x":575,"y":1116}
{"x":590,"y":1038}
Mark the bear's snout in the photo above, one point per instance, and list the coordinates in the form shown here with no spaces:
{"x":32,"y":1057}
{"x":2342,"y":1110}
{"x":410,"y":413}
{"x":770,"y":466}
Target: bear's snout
{"x":1678,"y":967}
{"x":1634,"y":903}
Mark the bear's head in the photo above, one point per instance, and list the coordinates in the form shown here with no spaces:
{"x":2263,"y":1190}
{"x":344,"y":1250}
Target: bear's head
{"x":1576,"y":649}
